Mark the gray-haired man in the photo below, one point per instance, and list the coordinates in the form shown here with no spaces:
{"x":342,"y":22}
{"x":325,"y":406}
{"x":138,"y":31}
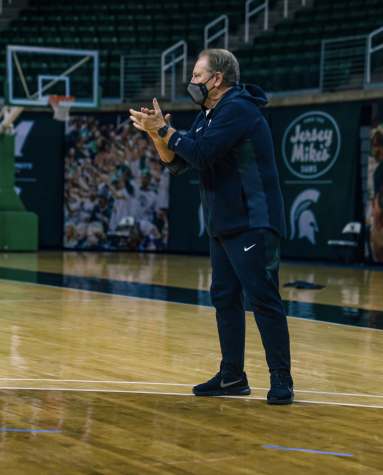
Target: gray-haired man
{"x":230,"y":143}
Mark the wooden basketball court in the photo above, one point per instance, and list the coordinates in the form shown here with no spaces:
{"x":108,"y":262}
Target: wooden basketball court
{"x":99,"y":353}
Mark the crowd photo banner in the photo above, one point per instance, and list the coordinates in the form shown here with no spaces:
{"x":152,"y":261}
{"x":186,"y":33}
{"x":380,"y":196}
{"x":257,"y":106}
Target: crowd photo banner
{"x":316,"y":150}
{"x":116,"y":189}
{"x":39,"y":148}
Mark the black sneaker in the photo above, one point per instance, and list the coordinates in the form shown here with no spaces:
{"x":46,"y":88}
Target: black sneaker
{"x":224,"y":383}
{"x":281,"y":391}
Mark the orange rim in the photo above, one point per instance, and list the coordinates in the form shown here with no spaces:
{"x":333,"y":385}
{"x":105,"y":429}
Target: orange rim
{"x":55,"y":100}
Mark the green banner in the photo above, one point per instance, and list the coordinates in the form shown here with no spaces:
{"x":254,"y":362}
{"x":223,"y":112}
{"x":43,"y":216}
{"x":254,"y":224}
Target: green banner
{"x":39,"y":151}
{"x":187,"y":230}
{"x":316,"y":150}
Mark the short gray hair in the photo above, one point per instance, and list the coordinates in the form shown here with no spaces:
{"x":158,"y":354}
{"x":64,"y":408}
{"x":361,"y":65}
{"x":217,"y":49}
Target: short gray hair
{"x":221,"y":60}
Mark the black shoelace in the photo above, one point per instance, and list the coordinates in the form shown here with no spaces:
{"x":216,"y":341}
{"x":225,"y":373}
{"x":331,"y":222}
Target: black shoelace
{"x":281,"y":380}
{"x":217,"y":376}
{"x":221,"y":375}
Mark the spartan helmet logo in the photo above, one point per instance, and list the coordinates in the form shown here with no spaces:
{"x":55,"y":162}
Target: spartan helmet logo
{"x":303,"y":217}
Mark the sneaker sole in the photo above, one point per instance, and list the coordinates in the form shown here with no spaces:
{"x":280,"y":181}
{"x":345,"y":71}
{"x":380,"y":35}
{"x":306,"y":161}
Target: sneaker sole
{"x":280,"y":402}
{"x":224,"y":392}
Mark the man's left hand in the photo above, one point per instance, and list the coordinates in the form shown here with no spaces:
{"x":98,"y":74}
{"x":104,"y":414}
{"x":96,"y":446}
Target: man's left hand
{"x":150,"y":123}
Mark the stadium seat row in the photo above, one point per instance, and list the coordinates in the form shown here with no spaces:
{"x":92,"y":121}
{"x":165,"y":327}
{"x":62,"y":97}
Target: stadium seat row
{"x":96,"y":6}
{"x":107,"y":20}
{"x":112,"y":30}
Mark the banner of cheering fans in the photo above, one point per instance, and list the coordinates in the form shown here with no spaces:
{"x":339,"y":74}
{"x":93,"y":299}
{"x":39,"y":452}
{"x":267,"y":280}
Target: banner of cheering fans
{"x":116,"y":189}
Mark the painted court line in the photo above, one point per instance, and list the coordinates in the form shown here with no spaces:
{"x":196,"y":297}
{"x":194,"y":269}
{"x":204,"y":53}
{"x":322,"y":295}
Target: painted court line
{"x":333,"y":403}
{"x":30,"y":430}
{"x":59,"y":300}
{"x":179,"y":394}
{"x":145,"y":383}
{"x":306,"y":450}
{"x":91,"y":381}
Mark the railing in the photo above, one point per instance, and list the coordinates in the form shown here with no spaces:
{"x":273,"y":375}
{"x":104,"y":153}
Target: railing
{"x":225,"y":31}
{"x":165,"y":66}
{"x":343,"y":63}
{"x":370,"y":51}
{"x":140,"y":77}
{"x":249,"y":14}
{"x":263,"y":6}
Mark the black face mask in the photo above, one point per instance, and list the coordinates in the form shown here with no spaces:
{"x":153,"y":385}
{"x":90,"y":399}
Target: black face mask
{"x":199,"y":92}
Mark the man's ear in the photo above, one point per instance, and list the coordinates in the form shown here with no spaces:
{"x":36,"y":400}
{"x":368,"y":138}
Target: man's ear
{"x":218,"y":79}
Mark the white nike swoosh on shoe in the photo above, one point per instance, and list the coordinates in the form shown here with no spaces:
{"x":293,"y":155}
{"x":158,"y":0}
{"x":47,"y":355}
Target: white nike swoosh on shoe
{"x":198,"y":129}
{"x":247,"y":248}
{"x":224,"y":385}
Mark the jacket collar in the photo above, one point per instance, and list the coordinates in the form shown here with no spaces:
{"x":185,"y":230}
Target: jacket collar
{"x":234,"y":91}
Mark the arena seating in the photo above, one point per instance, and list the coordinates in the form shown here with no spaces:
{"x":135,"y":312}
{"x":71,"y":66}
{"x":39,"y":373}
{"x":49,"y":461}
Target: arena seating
{"x":286,"y":58}
{"x":117,"y":28}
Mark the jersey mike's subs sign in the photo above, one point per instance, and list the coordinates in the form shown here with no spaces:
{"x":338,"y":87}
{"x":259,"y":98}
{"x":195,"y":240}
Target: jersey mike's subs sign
{"x":311,"y":144}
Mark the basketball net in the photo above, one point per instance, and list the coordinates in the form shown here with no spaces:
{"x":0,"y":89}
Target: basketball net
{"x":61,"y":106}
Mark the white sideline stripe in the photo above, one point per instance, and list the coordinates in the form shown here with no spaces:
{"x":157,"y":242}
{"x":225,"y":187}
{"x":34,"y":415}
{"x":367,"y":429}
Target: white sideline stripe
{"x":170,"y":301}
{"x":333,"y":403}
{"x":90,"y":381}
{"x":60,"y":300}
{"x":175,"y":384}
{"x":180,"y":394}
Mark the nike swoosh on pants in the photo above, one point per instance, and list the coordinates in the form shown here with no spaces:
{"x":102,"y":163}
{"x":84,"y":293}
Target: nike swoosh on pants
{"x":247,"y":248}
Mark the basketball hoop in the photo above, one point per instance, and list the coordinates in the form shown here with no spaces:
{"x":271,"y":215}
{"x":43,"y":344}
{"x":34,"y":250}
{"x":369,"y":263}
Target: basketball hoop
{"x":61,"y":106}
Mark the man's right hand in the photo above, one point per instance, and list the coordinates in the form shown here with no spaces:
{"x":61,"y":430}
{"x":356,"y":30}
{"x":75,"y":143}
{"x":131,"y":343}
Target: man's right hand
{"x":162,"y":149}
{"x":145,"y":110}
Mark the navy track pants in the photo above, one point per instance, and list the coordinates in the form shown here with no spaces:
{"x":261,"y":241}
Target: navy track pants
{"x":249,"y":262}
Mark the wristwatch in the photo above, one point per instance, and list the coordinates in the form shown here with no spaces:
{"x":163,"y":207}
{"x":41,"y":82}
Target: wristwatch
{"x":163,"y":131}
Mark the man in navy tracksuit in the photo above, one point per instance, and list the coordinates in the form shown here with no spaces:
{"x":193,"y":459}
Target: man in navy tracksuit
{"x":231,"y":145}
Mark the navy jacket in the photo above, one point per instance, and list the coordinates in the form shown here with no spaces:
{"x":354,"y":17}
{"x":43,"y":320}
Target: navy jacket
{"x":231,"y":145}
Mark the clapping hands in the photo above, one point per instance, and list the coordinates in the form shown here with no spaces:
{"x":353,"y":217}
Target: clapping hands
{"x":149,"y":120}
